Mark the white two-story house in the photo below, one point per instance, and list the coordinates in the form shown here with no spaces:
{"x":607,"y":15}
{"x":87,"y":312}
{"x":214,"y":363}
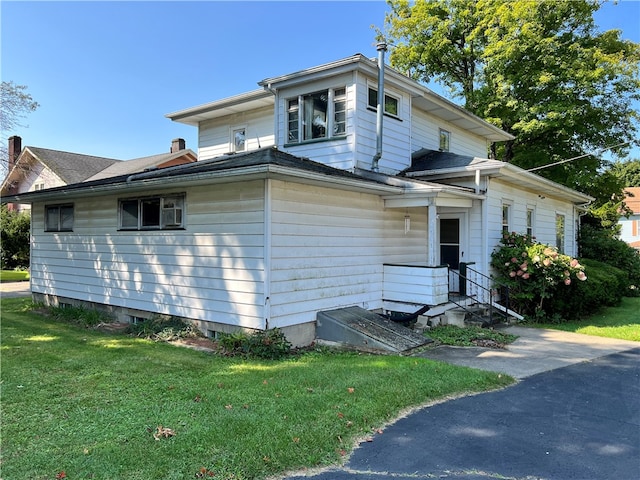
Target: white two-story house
{"x":305,"y":198}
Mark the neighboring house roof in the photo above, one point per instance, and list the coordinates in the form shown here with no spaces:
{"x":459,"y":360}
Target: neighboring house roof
{"x":446,"y":166}
{"x":422,"y":97}
{"x":136,"y":165}
{"x":632,"y":199}
{"x":71,"y":167}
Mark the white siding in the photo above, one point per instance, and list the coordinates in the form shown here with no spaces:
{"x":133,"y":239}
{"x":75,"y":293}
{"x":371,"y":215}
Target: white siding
{"x":335,"y":153}
{"x":396,"y":151}
{"x":545,"y":210}
{"x":213,"y":270}
{"x":425,"y":133}
{"x":214,"y":136}
{"x":328,"y":248}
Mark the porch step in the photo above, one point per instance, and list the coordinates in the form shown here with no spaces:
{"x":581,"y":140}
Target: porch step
{"x":361,"y":328}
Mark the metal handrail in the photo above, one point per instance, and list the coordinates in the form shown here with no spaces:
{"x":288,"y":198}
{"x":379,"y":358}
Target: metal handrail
{"x":472,"y":287}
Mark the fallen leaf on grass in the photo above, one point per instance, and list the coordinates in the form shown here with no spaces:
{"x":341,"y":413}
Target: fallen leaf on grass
{"x":351,"y":389}
{"x":61,"y":475}
{"x":163,"y":432}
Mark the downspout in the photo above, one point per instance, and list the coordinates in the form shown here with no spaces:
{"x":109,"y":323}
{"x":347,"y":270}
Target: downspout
{"x":267,"y":253}
{"x":382,"y":47}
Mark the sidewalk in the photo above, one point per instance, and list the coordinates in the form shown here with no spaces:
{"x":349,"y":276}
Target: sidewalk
{"x":15,"y":289}
{"x":535,"y":351}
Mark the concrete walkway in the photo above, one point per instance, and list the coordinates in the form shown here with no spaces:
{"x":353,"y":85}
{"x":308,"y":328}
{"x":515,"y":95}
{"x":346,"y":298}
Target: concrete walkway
{"x":15,"y":289}
{"x":535,"y":351}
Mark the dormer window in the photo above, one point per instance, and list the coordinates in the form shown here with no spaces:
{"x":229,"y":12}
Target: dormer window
{"x":317,"y":115}
{"x":445,"y":138}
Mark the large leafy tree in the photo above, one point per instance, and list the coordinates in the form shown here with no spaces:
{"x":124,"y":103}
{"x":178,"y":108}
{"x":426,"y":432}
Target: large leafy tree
{"x":539,"y":70}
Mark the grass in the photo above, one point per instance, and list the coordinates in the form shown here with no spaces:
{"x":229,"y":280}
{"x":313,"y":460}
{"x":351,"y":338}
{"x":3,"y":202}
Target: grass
{"x":468,"y":336}
{"x":85,"y":403}
{"x":621,"y":322}
{"x":13,"y":276}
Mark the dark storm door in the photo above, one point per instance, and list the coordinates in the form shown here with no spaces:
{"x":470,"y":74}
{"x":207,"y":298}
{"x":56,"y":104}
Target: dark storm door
{"x":450,"y":242}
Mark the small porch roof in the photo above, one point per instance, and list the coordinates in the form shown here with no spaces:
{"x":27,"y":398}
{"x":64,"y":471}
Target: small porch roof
{"x":437,"y":165}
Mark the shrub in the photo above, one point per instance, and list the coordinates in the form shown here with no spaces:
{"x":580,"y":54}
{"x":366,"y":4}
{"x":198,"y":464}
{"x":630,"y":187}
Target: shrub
{"x":268,"y":344}
{"x":163,"y":328}
{"x":14,"y":240}
{"x":534,"y":273}
{"x":605,"y":288}
{"x":598,"y":244}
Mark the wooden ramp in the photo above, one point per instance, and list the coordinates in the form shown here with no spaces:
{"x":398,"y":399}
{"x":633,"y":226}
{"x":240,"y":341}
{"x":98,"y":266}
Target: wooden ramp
{"x":361,"y":328}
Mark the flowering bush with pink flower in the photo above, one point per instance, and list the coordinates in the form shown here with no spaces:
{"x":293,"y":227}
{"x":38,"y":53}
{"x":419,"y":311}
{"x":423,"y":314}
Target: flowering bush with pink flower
{"x":533,"y":272}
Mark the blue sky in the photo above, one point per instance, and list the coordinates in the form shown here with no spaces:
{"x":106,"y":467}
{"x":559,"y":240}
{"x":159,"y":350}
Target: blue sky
{"x":106,"y":73}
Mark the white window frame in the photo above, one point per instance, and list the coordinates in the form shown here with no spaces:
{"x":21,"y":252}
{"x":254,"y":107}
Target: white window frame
{"x":299,"y":117}
{"x":506,"y":222}
{"x":531,"y":222}
{"x":387,"y":96}
{"x":561,"y":231}
{"x":59,"y":218}
{"x":170,"y":214}
{"x":238,"y":139}
{"x":444,"y":140}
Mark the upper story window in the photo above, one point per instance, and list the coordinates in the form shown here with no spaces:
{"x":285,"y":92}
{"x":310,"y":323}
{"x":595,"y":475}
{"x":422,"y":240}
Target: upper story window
{"x":58,"y":218}
{"x":445,"y":139}
{"x":390,"y":103}
{"x":152,"y":213}
{"x":38,"y":186}
{"x":317,"y":115}
{"x":238,"y":140}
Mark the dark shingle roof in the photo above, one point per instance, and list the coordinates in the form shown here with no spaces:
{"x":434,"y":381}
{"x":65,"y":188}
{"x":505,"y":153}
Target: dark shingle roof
{"x":430,"y":160}
{"x":71,"y":167}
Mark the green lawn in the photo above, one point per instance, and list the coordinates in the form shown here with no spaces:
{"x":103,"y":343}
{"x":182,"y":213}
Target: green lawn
{"x":13,"y":276}
{"x":88,"y":404}
{"x":621,"y":322}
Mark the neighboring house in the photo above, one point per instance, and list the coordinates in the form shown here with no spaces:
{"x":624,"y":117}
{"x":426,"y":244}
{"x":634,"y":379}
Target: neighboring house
{"x":630,"y":226}
{"x":35,"y":168}
{"x":305,"y":198}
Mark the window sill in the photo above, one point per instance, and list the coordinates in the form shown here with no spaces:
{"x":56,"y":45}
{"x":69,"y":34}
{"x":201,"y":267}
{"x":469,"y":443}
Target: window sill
{"x":316,"y":140}
{"x":388,"y":115}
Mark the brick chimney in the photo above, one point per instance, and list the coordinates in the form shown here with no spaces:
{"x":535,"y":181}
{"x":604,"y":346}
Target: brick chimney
{"x":15,"y":147}
{"x":177,"y":144}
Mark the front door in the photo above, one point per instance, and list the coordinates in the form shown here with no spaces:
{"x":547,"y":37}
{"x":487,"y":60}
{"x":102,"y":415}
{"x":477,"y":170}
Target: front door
{"x":450,"y":242}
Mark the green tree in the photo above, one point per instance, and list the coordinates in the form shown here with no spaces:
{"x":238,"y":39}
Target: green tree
{"x":628,"y":172}
{"x":14,"y":238}
{"x":539,"y":70}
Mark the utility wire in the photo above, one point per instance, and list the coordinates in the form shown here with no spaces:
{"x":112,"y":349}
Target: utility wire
{"x":578,"y":157}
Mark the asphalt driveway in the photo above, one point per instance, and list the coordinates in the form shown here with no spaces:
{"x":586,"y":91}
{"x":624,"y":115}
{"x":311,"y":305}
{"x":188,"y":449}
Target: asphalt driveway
{"x":580,"y":422}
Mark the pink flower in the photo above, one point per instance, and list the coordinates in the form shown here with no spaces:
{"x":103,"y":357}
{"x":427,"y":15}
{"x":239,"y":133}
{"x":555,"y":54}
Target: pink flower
{"x":514,"y":260}
{"x":523,"y":266}
{"x":567,"y":281}
{"x":526,"y":275}
{"x":512,"y":274}
{"x":520,"y":273}
{"x":566,"y":273}
{"x":546,"y":262}
{"x":581,"y":276}
{"x":548,"y":251}
{"x":574,"y":263}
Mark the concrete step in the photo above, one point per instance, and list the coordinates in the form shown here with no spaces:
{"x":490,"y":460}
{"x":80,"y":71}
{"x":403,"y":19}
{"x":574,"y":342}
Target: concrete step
{"x":361,"y":328}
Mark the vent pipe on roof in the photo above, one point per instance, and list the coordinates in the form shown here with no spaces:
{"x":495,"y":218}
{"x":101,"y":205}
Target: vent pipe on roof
{"x":381,"y":47}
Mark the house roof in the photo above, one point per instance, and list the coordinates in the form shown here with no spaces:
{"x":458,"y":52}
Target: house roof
{"x":136,"y":165}
{"x":422,"y":97}
{"x":268,"y":162}
{"x":632,"y":199}
{"x":71,"y":167}
{"x":445,"y":166}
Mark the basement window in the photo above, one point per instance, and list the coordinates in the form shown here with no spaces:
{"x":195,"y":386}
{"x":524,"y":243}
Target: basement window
{"x":152,"y":213}
{"x":58,"y":218}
